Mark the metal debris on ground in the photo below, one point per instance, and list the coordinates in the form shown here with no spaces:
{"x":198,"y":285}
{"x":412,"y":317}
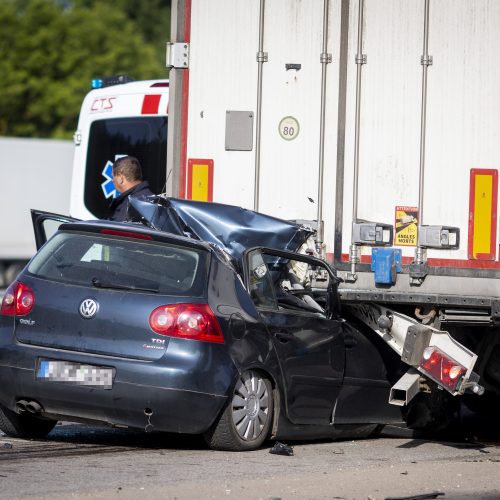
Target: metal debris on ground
{"x":281,"y":449}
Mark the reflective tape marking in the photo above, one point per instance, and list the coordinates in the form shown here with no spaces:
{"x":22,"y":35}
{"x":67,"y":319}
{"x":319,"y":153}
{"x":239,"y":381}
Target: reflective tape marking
{"x":200,"y":180}
{"x":483,"y":214}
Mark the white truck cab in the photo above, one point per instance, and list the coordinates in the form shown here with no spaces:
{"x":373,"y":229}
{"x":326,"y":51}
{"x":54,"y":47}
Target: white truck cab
{"x":120,"y":118}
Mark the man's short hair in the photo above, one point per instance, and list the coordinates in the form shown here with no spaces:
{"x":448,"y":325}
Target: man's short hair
{"x":129,"y":167}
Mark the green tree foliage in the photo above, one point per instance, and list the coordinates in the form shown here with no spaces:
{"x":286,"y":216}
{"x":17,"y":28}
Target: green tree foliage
{"x":50,"y":50}
{"x":152,"y":18}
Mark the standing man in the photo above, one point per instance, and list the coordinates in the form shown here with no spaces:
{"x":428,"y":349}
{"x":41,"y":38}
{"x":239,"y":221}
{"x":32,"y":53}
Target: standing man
{"x":127,"y":178}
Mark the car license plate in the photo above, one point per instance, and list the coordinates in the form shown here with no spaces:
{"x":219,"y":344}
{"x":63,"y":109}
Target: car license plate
{"x":75,"y":373}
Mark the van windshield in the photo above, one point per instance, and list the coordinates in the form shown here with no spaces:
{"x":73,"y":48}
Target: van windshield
{"x":142,"y":137}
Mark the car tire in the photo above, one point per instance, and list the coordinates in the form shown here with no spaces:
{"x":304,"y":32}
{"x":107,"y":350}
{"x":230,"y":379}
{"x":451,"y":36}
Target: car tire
{"x":24,"y":425}
{"x":357,"y":431}
{"x":245,"y":422}
{"x":376,"y":431}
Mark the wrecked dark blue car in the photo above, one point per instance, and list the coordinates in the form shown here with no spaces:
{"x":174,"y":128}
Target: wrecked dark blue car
{"x":194,"y":318}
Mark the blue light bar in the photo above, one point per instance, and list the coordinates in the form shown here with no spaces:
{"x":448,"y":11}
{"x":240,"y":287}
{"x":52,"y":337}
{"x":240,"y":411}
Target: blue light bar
{"x":108,"y":81}
{"x":96,"y":84}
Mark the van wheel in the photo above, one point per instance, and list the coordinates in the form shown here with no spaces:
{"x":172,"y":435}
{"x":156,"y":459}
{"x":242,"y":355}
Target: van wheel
{"x":24,"y":425}
{"x":246,"y":421}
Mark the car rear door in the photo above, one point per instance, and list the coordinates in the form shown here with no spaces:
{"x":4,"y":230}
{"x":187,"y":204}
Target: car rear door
{"x":308,"y":339}
{"x":45,"y":224}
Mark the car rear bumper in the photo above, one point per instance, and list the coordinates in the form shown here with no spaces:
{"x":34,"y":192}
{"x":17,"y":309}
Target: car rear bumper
{"x":142,"y":392}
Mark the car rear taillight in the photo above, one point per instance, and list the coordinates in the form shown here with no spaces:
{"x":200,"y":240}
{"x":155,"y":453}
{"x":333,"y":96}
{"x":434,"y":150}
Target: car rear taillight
{"x":187,"y":321}
{"x":18,"y":300}
{"x":441,"y":368}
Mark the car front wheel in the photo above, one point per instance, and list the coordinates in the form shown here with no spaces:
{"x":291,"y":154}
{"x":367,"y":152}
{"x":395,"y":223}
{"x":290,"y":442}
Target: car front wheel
{"x":246,"y":421}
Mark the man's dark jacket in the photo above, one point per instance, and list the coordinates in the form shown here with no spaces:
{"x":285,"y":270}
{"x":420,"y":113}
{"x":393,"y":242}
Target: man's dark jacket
{"x":119,"y":206}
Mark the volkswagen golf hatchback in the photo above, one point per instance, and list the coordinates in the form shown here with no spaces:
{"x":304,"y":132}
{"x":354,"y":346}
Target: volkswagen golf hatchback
{"x":120,"y":324}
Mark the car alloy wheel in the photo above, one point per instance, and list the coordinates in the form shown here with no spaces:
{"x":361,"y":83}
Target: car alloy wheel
{"x":246,"y":421}
{"x":250,"y":406}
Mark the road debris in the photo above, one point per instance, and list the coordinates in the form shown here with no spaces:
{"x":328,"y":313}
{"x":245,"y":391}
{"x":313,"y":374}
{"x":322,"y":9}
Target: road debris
{"x":281,"y":449}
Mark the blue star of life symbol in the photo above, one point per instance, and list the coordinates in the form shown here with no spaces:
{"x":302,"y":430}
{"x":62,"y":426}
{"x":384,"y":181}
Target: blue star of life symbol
{"x":108,"y":188}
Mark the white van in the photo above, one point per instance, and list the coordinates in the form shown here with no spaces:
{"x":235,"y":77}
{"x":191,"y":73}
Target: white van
{"x":121,"y":118}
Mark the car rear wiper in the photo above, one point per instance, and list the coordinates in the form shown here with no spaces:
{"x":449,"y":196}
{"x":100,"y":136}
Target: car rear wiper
{"x":102,"y":284}
{"x":63,"y":266}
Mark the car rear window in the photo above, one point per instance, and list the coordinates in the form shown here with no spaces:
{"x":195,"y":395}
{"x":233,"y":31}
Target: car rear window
{"x":122,"y":263}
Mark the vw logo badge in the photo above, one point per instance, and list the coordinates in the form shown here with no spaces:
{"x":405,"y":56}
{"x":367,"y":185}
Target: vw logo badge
{"x":88,"y":308}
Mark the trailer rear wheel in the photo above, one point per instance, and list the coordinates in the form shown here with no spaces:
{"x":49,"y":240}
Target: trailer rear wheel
{"x":432,"y":411}
{"x":487,"y":405}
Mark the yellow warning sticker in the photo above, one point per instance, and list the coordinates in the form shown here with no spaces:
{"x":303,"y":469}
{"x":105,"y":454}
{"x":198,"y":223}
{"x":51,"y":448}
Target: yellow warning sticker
{"x":406,"y":225}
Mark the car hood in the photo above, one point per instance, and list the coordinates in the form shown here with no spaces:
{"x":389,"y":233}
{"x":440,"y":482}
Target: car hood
{"x":232,"y":228}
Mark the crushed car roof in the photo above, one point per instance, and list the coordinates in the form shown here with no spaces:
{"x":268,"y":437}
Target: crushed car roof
{"x":232,"y":228}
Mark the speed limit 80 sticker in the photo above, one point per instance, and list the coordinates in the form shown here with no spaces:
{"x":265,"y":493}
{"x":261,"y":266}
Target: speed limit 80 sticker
{"x":289,"y":128}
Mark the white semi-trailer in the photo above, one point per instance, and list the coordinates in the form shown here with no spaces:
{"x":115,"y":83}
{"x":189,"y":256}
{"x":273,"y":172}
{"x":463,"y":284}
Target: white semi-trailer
{"x":380,"y":120}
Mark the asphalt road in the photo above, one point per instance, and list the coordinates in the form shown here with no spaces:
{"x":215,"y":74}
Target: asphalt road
{"x":82,"y":462}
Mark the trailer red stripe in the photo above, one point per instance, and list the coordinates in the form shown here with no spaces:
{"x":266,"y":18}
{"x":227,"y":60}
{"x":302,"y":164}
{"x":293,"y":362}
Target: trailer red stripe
{"x":458,"y":263}
{"x":184,"y":111}
{"x":150,"y":104}
{"x":183,"y":152}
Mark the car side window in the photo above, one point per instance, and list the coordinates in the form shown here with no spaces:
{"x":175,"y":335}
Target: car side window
{"x":289,"y":282}
{"x":260,"y":285}
{"x":299,"y":286}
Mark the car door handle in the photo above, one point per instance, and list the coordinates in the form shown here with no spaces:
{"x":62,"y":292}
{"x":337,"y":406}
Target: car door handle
{"x":283,"y":337}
